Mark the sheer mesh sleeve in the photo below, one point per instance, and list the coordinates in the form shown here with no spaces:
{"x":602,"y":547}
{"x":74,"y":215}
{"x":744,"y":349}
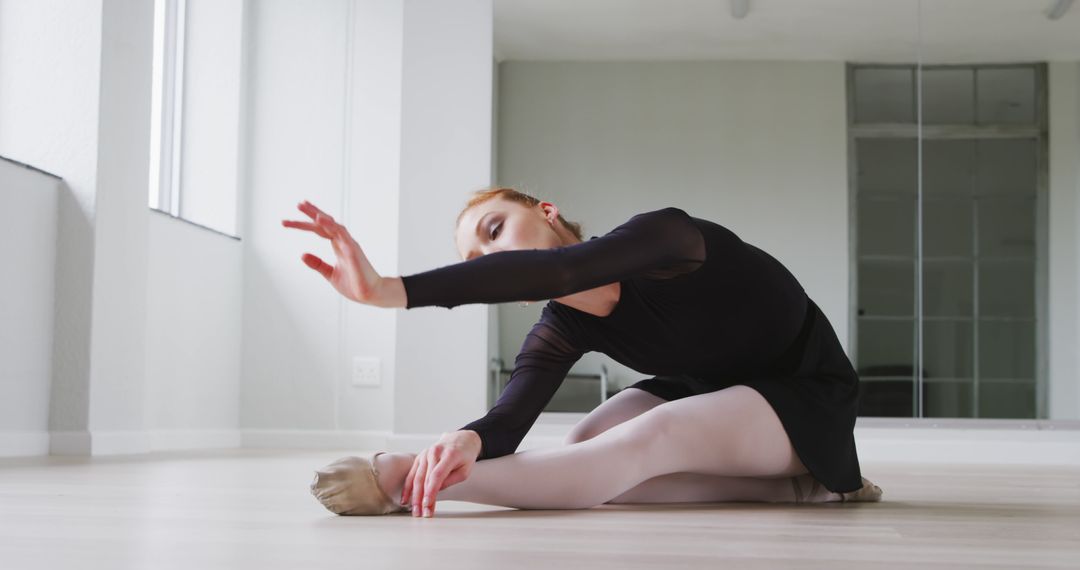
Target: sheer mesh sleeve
{"x":661,"y":242}
{"x":540,"y":367}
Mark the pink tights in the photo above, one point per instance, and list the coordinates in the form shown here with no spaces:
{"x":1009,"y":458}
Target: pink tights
{"x":726,"y":445}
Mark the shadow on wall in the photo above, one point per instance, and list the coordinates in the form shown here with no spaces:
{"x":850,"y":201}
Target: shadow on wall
{"x":70,"y":392}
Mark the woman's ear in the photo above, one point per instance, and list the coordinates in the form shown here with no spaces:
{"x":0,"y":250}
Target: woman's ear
{"x":551,"y":211}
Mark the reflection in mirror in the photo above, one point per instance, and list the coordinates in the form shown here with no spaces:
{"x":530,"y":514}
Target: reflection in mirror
{"x":965,"y":225}
{"x":741,"y":121}
{"x":999,"y":101}
{"x":925,"y":131}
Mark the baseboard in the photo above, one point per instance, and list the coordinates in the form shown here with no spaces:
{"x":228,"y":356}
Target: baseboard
{"x":968,"y":446}
{"x":117,"y":442}
{"x":69,"y":443}
{"x":23,"y":443}
{"x":364,"y":440}
{"x":314,"y":439}
{"x":99,"y":442}
{"x":173,"y":439}
{"x":947,"y":442}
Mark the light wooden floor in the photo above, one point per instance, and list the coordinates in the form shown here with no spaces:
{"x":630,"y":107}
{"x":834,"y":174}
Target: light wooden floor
{"x":251,"y":509}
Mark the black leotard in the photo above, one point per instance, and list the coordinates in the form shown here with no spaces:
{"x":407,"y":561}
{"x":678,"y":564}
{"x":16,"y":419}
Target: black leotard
{"x":698,"y":308}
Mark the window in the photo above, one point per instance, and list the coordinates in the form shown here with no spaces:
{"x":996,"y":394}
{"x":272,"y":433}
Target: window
{"x":167,"y":105}
{"x":195,"y":122}
{"x":956,"y":284}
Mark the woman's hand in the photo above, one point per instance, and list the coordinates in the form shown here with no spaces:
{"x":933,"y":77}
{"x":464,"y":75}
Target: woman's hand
{"x":446,"y":463}
{"x":353,"y":276}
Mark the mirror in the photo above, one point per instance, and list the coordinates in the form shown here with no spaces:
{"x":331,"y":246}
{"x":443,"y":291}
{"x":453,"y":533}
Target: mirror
{"x":897,"y":157}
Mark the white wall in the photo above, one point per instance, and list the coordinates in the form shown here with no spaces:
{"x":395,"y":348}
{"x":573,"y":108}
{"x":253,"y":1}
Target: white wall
{"x":329,"y":87}
{"x":75,"y":100}
{"x":194,"y":287}
{"x":194,"y":275}
{"x":446,"y":153}
{"x":166,"y":335}
{"x":50,"y":61}
{"x":28,"y":248}
{"x":290,"y":316}
{"x":323,"y":125}
{"x":759,"y":147}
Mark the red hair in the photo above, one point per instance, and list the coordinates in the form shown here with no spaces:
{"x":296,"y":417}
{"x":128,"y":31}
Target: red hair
{"x":481,"y":196}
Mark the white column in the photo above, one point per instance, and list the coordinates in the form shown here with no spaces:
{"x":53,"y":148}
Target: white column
{"x":118,"y":328}
{"x":441,"y":362}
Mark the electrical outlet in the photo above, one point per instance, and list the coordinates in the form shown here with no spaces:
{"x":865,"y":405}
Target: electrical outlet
{"x":365,"y":371}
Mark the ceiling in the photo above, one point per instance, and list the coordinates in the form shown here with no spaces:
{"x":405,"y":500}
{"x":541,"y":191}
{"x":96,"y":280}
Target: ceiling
{"x":953,"y":31}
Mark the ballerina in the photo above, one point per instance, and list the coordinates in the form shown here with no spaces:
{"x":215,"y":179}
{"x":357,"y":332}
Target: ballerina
{"x":752,"y":398}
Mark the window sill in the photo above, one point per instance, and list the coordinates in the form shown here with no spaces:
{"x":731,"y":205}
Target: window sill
{"x":186,"y":221}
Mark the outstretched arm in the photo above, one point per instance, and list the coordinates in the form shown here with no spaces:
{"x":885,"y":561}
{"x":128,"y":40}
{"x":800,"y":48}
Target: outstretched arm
{"x":647,"y":241}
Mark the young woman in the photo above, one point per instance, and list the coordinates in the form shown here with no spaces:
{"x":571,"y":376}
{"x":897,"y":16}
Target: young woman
{"x":752,"y":398}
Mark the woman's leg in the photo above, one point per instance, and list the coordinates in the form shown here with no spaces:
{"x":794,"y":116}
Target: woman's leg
{"x":732,"y":432}
{"x":702,"y":488}
{"x":627,"y":403}
{"x":674,"y":487}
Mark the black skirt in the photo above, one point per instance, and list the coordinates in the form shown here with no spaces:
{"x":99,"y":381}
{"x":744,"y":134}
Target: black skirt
{"x":814,"y":390}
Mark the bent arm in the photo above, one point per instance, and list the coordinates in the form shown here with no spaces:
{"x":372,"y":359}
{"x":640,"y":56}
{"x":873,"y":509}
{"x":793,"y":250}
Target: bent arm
{"x":539,"y":369}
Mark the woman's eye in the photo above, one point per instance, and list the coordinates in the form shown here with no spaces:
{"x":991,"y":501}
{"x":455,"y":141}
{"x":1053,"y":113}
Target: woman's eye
{"x":495,"y":230}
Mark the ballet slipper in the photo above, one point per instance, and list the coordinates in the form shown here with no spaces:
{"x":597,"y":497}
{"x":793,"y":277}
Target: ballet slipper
{"x":801,"y":497}
{"x":868,"y":493}
{"x":350,"y":486}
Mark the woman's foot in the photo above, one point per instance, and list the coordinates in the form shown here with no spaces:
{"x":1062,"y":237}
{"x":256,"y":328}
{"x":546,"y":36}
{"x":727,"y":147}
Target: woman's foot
{"x":868,"y":493}
{"x":806,"y":489}
{"x":392,"y":469}
{"x":356,"y":485}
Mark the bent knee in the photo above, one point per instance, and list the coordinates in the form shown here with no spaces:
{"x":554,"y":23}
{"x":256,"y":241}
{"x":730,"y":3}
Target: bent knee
{"x":579,"y":434}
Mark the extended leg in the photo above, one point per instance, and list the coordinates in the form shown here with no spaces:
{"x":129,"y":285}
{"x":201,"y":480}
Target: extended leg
{"x":731,"y":432}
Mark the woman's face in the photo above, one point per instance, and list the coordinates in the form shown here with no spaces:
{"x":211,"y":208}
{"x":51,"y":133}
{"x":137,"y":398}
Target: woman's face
{"x":503,"y":225}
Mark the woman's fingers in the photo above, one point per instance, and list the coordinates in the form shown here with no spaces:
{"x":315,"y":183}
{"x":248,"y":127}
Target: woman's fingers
{"x":406,"y":489}
{"x":319,"y":265}
{"x":433,"y":470}
{"x":327,"y":224}
{"x":310,"y":209}
{"x":308,"y":226}
{"x":352,"y":275}
{"x":324,"y":225}
{"x":418,"y":483}
{"x":433,"y":460}
{"x":436,"y":475}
